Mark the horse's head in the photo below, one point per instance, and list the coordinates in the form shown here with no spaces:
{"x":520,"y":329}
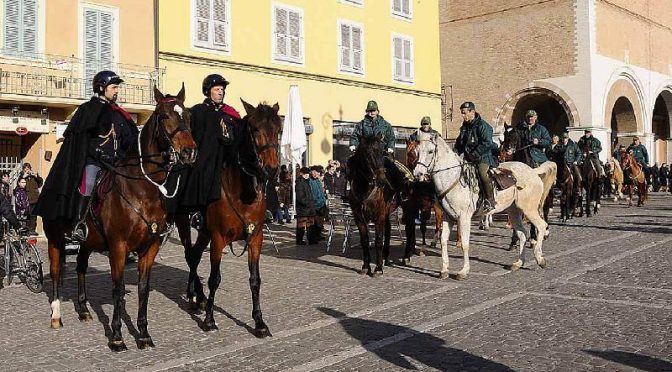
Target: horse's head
{"x":426,"y":154}
{"x":626,"y":160}
{"x":171,"y":127}
{"x":411,"y":154}
{"x":264,"y":126}
{"x":369,"y":154}
{"x":512,"y":141}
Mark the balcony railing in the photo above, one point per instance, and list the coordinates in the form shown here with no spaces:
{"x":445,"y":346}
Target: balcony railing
{"x":65,"y":77}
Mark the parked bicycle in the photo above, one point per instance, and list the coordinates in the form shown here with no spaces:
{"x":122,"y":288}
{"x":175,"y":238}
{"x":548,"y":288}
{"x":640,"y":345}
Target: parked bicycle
{"x":22,"y":260}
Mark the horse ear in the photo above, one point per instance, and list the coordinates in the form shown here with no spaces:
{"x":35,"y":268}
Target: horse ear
{"x":249,"y":109}
{"x":180,"y":95}
{"x":158,"y":96}
{"x":276,"y":107}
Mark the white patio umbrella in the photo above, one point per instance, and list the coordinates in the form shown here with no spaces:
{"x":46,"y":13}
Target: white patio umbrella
{"x":293,"y":141}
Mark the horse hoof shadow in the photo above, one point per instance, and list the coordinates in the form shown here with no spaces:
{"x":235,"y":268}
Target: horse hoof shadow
{"x":210,"y":326}
{"x":117,"y":346}
{"x":144,"y":343}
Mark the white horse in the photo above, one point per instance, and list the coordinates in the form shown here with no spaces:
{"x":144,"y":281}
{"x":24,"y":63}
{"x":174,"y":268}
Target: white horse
{"x":459,"y":195}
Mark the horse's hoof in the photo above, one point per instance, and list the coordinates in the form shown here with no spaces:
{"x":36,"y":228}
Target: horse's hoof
{"x":460,"y":276}
{"x":144,"y":343}
{"x":542,"y":263}
{"x":363,"y":271}
{"x":56,"y":323}
{"x":444,"y":275}
{"x":262,"y":331}
{"x":85,"y":317}
{"x":117,"y":346}
{"x":377,"y":273}
{"x":210,"y":326}
{"x":481,"y":227}
{"x":515,"y":267}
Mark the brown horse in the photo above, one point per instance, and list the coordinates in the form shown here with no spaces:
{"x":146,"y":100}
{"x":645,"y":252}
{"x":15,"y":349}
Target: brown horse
{"x":569,"y":187}
{"x":421,"y":202}
{"x":615,"y":175}
{"x":229,"y":219}
{"x":130,"y":217}
{"x":633,"y":176}
{"x":591,"y":184}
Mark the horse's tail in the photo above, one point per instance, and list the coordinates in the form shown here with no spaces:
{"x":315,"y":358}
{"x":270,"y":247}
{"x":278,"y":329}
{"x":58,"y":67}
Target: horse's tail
{"x":548,"y":173}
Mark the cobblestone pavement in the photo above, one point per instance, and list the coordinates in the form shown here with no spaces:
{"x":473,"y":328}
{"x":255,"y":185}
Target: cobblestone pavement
{"x":603,"y":303}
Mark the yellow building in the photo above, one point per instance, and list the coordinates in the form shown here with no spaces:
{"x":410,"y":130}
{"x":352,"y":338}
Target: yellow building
{"x":50,"y":50}
{"x":341,"y":54}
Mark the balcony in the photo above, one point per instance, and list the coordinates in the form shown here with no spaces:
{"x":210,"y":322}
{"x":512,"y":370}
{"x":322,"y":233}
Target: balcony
{"x":58,"y":79}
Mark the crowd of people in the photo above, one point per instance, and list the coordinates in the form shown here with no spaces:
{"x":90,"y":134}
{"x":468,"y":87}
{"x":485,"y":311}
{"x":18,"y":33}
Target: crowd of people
{"x":23,"y":197}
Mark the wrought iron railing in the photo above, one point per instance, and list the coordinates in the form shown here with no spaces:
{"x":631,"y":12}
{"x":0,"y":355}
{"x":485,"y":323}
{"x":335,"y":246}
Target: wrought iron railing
{"x":65,"y":77}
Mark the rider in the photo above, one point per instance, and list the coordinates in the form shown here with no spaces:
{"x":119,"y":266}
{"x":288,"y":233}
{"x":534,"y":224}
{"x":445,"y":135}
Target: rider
{"x":572,"y":155}
{"x":594,"y":148}
{"x":640,"y":154}
{"x":475,"y":142}
{"x":99,"y":133}
{"x":374,"y":124}
{"x":536,"y":139}
{"x":425,"y":127}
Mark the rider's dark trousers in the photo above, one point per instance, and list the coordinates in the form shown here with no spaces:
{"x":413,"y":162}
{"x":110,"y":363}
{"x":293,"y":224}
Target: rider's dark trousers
{"x":576,"y":172}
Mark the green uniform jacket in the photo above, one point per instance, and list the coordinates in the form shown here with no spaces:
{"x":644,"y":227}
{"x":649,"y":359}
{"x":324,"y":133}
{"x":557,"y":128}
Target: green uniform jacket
{"x":571,"y":151}
{"x":414,"y":135}
{"x":378,"y":127}
{"x":640,"y":154}
{"x":593,"y":144}
{"x":538,"y":131}
{"x":475,"y":141}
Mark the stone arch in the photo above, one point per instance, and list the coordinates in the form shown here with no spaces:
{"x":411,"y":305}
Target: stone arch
{"x":661,"y":127}
{"x":624,"y":110}
{"x":556,"y":111}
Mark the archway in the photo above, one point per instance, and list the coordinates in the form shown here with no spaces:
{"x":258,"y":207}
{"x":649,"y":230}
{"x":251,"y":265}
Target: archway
{"x":623,"y":122}
{"x":551,"y":113}
{"x":660,"y":125}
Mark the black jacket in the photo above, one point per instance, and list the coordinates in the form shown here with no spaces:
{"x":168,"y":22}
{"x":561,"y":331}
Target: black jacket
{"x":305,"y":207}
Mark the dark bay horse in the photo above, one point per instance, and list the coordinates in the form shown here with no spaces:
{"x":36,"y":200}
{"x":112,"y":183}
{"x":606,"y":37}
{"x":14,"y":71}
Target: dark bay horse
{"x":420,"y":203}
{"x":130,"y":217}
{"x":592,"y":184}
{"x":633,"y":175}
{"x":569,"y":187}
{"x":229,"y":219}
{"x":372,"y":198}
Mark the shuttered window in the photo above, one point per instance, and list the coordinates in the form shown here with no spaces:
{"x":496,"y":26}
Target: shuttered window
{"x":351,"y":45}
{"x":288,"y":34}
{"x":402,"y":58}
{"x":402,"y":8}
{"x":211,"y":24}
{"x":20,"y":30}
{"x":98,"y":44}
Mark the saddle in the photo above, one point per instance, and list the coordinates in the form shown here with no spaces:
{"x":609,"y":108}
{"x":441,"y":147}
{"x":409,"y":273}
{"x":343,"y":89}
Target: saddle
{"x":502,"y":179}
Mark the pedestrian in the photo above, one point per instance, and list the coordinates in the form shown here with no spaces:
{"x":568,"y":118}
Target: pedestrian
{"x":271,"y":195}
{"x":305,"y":208}
{"x":33,"y":184}
{"x":663,"y":177}
{"x":319,"y":200}
{"x":21,"y":203}
{"x":655,"y":178}
{"x":5,"y":188}
{"x":284,"y":196}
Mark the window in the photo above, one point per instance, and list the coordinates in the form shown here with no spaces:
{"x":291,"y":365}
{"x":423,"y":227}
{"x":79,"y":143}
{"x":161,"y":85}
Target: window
{"x":402,"y":8}
{"x":288,"y":34}
{"x":351,"y":47}
{"x":98,"y":43}
{"x":20,"y":31}
{"x":402,"y":58}
{"x":211,"y":24}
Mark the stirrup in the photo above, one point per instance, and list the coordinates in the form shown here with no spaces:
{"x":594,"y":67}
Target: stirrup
{"x":488,"y":206}
{"x":81,"y":231}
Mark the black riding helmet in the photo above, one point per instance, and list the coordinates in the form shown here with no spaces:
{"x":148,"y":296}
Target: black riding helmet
{"x":104,"y":78}
{"x":213,"y":80}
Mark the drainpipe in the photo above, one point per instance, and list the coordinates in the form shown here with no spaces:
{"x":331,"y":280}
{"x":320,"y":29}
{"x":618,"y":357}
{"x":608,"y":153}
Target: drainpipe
{"x":156,"y":39}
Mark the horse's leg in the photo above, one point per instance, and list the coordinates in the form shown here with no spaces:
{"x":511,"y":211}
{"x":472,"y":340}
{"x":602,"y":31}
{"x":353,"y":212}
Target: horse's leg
{"x":520,"y":231}
{"x":217,"y":246}
{"x":144,"y":270}
{"x":541,"y":225}
{"x":192,"y":255}
{"x":589,"y":196}
{"x":386,"y":242}
{"x":364,"y":242}
{"x":409,"y":227}
{"x":438,"y":216}
{"x":381,"y":229}
{"x":82,"y":266}
{"x":55,"y":266}
{"x":445,"y":259}
{"x":254,"y":253}
{"x":117,"y":258}
{"x":464,"y":222}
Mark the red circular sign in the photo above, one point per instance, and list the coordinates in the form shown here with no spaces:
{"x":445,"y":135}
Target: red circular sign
{"x":21,"y":131}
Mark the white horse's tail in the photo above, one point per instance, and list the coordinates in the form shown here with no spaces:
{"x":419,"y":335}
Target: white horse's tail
{"x":547,"y":172}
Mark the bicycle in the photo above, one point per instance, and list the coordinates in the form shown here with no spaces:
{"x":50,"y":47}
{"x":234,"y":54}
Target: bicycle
{"x":22,"y":260}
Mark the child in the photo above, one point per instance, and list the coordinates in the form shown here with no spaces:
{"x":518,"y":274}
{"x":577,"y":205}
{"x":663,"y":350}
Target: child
{"x":21,"y":204}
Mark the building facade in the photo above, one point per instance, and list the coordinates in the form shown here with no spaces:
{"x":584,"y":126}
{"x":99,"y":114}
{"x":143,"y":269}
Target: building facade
{"x":340,"y":53}
{"x":599,"y":64}
{"x":50,"y":50}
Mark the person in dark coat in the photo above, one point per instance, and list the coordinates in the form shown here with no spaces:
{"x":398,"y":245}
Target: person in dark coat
{"x":594,"y":148}
{"x":7,"y":212}
{"x":5,"y":188}
{"x":655,"y":177}
{"x":99,"y":132}
{"x":271,"y":194}
{"x":305,"y":208}
{"x":536,"y":136}
{"x":663,"y":177}
{"x":33,"y":184}
{"x":284,"y":195}
{"x":641,"y":155}
{"x":475,"y":142}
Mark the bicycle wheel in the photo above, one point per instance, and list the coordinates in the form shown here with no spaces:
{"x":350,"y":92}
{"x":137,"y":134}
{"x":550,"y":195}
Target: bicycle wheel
{"x":33,"y":261}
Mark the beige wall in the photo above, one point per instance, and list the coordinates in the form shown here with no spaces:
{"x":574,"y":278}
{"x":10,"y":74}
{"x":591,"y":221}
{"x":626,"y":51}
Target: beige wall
{"x":493,"y":49}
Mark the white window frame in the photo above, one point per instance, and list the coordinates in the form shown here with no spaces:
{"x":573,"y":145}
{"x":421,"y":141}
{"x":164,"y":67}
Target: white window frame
{"x":403,"y":80}
{"x":357,"y":3}
{"x":350,"y":70}
{"x":401,"y":14}
{"x":287,"y":60}
{"x":80,"y":36}
{"x":41,"y":29}
{"x":210,"y":45}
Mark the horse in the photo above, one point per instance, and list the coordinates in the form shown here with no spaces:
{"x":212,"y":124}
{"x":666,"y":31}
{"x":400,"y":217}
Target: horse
{"x":615,"y":175}
{"x":459,"y":196}
{"x":229,"y":219}
{"x":372,"y":198}
{"x":591,"y":184}
{"x":569,"y":187}
{"x":420,"y":203}
{"x":129,"y":217}
{"x":634,"y":176}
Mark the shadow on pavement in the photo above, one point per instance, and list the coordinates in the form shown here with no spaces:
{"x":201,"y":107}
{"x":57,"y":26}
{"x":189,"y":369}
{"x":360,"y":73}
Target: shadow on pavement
{"x":639,"y":361}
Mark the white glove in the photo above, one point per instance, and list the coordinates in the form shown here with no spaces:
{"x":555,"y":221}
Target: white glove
{"x":390,"y":151}
{"x":352,"y":148}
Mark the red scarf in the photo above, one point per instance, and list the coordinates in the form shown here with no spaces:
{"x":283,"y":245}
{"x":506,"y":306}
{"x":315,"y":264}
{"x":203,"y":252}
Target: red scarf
{"x":230,"y":111}
{"x":120,"y":110}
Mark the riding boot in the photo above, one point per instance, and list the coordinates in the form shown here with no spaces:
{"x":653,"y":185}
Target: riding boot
{"x":248,"y":193}
{"x":300,"y":232}
{"x":80,"y":230}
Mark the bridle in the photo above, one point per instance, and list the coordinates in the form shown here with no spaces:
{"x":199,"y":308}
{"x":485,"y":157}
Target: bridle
{"x":257,"y":150}
{"x":432,"y":164}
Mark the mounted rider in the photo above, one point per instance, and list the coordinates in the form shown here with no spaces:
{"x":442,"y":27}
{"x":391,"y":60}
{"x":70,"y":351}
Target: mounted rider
{"x":572,"y":155}
{"x":594,"y":147}
{"x":640,"y":154}
{"x":99,"y":134}
{"x":425,"y":127}
{"x":535,"y":138}
{"x":375,"y":125}
{"x":475,"y":142}
{"x":616,"y":154}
